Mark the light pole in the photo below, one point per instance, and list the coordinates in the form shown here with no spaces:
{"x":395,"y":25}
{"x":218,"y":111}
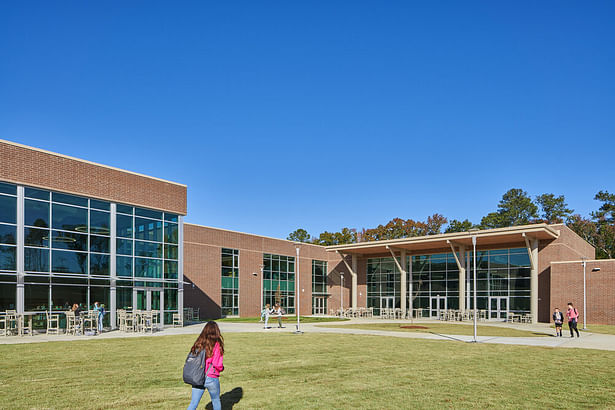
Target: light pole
{"x":584,"y":298}
{"x":475,"y":310}
{"x":297,"y":291}
{"x":262,"y":304}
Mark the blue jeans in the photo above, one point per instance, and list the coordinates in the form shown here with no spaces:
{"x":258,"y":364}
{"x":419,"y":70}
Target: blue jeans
{"x":212,"y":384}
{"x":100,"y":323}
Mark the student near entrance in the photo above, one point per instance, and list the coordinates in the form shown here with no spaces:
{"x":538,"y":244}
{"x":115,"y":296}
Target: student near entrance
{"x":558,"y":319}
{"x":210,"y":342}
{"x":573,"y":318}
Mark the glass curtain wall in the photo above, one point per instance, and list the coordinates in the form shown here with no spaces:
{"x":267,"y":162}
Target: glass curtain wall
{"x":383,"y":284}
{"x":147,"y":259}
{"x":279,"y":281}
{"x":67,"y":252}
{"x":319,"y":287}
{"x":230,"y":282}
{"x":502,"y":274}
{"x":8,"y":246}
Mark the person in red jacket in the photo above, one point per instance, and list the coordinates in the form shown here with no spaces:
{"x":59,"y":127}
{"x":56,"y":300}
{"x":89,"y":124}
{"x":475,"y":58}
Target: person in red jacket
{"x":573,"y":318}
{"x":212,"y":342}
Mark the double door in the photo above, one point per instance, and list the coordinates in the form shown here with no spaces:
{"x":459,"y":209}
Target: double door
{"x":320,"y":305}
{"x":148,"y":299}
{"x":436,"y":305}
{"x":387,"y":302}
{"x":498,"y":307}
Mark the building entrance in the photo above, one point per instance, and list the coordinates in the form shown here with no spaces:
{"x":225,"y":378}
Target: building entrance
{"x":148,"y":299}
{"x":387,"y":302}
{"x":498,"y":307}
{"x":436,"y":305}
{"x":320,"y":305}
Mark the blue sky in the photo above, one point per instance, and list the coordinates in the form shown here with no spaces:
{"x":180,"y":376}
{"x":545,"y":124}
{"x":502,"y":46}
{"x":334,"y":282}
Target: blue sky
{"x":321,"y":114}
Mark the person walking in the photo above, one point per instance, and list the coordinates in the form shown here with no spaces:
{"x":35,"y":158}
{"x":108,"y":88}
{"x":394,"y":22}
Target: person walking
{"x":100,"y":317}
{"x":558,"y":319}
{"x":267,"y":314}
{"x":212,"y":342}
{"x":278,"y":313}
{"x":573,"y":318}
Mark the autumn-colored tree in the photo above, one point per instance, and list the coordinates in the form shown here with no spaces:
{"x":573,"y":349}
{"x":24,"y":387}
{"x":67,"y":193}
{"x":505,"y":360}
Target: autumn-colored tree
{"x":345,"y":236}
{"x":398,"y":228}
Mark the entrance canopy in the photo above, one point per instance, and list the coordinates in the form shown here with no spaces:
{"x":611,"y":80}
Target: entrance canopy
{"x":457,"y":243}
{"x":488,"y":238}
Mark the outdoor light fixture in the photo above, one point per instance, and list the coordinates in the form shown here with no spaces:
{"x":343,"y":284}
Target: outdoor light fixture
{"x":475,"y":310}
{"x":584,"y":296}
{"x":254,"y":274}
{"x":262,"y":269}
{"x":584,"y":292}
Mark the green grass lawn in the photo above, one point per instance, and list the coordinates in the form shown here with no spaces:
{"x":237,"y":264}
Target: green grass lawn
{"x":288,"y":319}
{"x":446,"y":328}
{"x":605,"y":329}
{"x":286,"y":371}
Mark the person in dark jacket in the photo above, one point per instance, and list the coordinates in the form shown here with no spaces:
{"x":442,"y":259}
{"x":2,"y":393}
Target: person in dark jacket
{"x":558,"y":319}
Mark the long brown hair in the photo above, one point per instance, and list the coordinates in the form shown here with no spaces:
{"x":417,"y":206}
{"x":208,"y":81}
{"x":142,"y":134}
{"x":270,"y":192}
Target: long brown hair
{"x":210,"y":335}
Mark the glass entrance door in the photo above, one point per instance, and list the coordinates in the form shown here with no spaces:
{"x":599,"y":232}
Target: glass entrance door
{"x":320,"y":306}
{"x":147,"y":299}
{"x":140,"y":296}
{"x":498,"y":307}
{"x":436,"y":304}
{"x":387,"y":302}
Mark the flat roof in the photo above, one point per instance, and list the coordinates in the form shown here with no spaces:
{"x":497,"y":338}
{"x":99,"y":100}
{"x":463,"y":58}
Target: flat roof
{"x":484,"y":237}
{"x":251,"y":234}
{"x":88,"y":162}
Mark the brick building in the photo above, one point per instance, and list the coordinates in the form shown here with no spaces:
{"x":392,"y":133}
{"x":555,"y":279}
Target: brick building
{"x":75,"y":231}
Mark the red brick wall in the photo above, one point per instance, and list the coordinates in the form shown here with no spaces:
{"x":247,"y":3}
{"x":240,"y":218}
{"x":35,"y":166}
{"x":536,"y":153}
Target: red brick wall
{"x":37,"y":168}
{"x":202,"y":259}
{"x":569,"y":246}
{"x":567,"y":286}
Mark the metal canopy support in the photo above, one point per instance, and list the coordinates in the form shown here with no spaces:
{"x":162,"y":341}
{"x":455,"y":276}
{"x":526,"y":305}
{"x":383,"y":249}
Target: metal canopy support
{"x":404,"y":284}
{"x":353,"y":275}
{"x":532,"y":251}
{"x":461,"y":265}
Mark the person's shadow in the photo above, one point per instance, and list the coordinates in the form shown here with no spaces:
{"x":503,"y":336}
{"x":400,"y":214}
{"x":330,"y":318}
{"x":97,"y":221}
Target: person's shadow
{"x":229,"y":399}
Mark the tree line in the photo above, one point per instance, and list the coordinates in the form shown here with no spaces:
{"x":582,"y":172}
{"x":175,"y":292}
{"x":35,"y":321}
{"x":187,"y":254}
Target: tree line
{"x":515,"y":208}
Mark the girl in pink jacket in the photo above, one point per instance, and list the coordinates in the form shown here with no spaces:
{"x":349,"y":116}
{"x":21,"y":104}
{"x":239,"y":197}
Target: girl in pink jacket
{"x":211,"y":341}
{"x":573,"y":318}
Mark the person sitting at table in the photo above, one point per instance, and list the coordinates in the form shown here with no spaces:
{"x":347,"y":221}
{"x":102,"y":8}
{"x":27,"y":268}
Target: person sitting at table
{"x":76,"y":309}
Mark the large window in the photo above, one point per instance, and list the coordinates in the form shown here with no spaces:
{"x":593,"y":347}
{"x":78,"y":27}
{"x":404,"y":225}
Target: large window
{"x":8,"y":228}
{"x":67,"y":248}
{"x":279,"y":281}
{"x":319,"y":287}
{"x":146,"y":244}
{"x":66,"y":234}
{"x":383,"y":284}
{"x":501,"y":273}
{"x":230,"y":282}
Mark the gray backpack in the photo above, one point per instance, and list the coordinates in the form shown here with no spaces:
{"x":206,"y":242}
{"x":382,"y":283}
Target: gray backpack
{"x":193,"y":369}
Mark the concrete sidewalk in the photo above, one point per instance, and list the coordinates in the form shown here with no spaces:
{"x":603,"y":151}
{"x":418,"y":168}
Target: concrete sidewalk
{"x":587,"y":340}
